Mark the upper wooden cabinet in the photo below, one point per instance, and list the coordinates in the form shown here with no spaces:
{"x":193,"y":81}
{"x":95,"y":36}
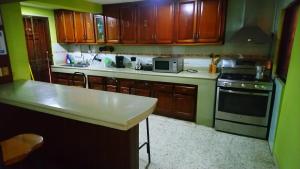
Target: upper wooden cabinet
{"x":211,"y":16}
{"x":65,"y":26}
{"x":164,"y":21}
{"x":155,"y":22}
{"x":128,"y":24}
{"x":146,"y":22}
{"x":112,"y":23}
{"x":74,"y":27}
{"x":84,"y":27}
{"x":186,"y":21}
{"x":200,"y":21}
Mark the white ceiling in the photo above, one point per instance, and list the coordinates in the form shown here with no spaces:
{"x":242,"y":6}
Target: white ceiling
{"x":111,"y":1}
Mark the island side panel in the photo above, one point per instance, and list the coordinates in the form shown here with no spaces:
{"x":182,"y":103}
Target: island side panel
{"x":73,"y":144}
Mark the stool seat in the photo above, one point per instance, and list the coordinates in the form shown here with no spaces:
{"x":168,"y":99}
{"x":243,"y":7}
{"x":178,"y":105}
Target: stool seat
{"x":19,"y":147}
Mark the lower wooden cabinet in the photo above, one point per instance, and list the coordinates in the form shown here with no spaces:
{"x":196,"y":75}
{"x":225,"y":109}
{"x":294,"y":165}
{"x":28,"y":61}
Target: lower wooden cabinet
{"x":142,"y":88}
{"x":164,"y":94}
{"x":96,"y":82}
{"x":174,"y":100}
{"x":76,"y":79}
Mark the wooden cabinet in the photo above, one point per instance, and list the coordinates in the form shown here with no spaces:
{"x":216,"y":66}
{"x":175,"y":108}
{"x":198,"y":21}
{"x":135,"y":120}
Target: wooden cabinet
{"x":112,"y":25}
{"x":64,"y":22}
{"x":146,"y":22}
{"x":164,"y":21}
{"x":174,"y":100}
{"x":99,"y":28}
{"x":142,"y":88}
{"x":185,"y":99}
{"x":128,"y":24}
{"x":74,"y":27}
{"x":77,"y":79}
{"x":61,"y":78}
{"x":96,"y":82}
{"x":155,"y":22}
{"x":84,"y":27}
{"x":186,"y":21}
{"x":164,"y":94}
{"x":200,"y":21}
{"x":210,"y":21}
{"x":125,"y":85}
{"x":111,"y":85}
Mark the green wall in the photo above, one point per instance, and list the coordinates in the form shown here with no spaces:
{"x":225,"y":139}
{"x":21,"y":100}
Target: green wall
{"x":15,"y":38}
{"x":287,"y":143}
{"x":26,"y":10}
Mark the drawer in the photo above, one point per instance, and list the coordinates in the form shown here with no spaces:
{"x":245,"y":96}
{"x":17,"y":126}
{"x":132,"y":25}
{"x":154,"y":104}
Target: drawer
{"x":126,"y":83}
{"x":187,"y":90}
{"x":163,"y":87}
{"x":96,"y":79}
{"x":111,"y":81}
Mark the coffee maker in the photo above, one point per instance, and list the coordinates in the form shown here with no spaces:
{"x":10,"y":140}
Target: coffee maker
{"x":120,"y":62}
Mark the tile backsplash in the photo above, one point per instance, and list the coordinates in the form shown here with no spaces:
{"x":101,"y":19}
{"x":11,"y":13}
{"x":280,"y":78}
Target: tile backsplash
{"x":194,"y":56}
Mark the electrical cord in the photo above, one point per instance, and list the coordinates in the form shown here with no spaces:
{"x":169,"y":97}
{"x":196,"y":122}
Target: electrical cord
{"x":192,"y":70}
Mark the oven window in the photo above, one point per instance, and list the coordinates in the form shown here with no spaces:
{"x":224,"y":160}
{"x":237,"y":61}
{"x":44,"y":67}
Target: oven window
{"x":243,"y":104}
{"x":162,"y":65}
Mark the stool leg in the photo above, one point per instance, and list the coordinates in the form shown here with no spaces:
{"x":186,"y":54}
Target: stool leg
{"x":148,"y":141}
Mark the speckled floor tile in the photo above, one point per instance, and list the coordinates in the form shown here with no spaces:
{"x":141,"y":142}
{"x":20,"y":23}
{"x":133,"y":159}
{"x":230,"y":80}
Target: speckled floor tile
{"x":177,"y":144}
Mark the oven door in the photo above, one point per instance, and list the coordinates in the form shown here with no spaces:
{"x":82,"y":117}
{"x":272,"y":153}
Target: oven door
{"x":245,"y":106}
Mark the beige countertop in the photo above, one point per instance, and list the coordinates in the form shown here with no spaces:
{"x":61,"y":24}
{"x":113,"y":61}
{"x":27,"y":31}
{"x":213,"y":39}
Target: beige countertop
{"x":201,"y":74}
{"x":113,"y":110}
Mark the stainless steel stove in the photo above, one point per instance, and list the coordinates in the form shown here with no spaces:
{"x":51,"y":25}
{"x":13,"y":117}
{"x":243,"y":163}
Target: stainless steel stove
{"x":244,"y":92}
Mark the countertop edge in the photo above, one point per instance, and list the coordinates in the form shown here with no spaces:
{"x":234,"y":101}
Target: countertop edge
{"x":137,"y":73}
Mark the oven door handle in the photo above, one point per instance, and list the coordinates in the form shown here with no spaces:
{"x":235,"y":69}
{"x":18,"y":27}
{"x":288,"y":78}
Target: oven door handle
{"x":245,"y":93}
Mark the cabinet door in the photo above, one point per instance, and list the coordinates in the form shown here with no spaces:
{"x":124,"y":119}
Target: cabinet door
{"x":128,"y":24}
{"x":69,"y":26}
{"x":96,"y":82}
{"x":184,"y":106}
{"x":146,"y":22}
{"x":164,"y":22}
{"x":112,"y":26}
{"x":164,"y":94}
{"x":111,"y":88}
{"x":141,"y":92}
{"x":99,"y":28}
{"x":210,"y":21}
{"x":89,"y":27}
{"x":60,"y":26}
{"x":79,"y":27}
{"x":186,"y":19}
{"x":125,"y":85}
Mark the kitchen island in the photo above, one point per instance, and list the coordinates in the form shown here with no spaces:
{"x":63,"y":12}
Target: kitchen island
{"x":82,"y":128}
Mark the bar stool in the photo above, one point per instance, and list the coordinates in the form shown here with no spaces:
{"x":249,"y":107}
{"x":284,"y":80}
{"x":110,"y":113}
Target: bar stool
{"x":17,"y":148}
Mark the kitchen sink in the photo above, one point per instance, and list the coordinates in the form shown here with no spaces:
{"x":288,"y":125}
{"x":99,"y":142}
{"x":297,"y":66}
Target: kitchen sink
{"x":77,"y":65}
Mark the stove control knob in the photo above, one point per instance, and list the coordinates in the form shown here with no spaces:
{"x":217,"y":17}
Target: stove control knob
{"x":256,"y":86}
{"x":243,"y":85}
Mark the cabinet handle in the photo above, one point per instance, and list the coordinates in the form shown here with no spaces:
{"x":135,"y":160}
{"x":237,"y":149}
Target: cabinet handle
{"x":194,"y":36}
{"x":197,"y":35}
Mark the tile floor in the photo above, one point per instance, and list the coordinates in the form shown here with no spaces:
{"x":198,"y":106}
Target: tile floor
{"x":177,"y":144}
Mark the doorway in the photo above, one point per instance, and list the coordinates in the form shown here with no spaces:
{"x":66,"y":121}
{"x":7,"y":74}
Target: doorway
{"x":39,"y":47}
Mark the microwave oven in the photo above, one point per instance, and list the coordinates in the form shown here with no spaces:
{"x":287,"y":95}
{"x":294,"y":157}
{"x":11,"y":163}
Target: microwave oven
{"x":168,"y":64}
